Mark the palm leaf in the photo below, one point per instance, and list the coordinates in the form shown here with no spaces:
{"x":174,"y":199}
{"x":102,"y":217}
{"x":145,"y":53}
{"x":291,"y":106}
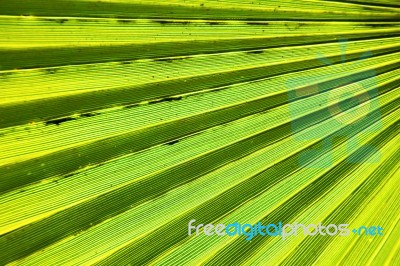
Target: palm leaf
{"x":121,"y":121}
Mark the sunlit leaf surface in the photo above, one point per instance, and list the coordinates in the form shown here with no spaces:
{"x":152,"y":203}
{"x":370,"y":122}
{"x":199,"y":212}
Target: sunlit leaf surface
{"x":122,"y":120}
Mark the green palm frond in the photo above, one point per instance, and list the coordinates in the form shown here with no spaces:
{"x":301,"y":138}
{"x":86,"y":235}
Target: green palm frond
{"x":121,"y":121}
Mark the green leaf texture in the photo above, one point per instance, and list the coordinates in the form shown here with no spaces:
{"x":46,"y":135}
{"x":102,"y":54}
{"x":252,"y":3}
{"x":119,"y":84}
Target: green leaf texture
{"x":122,"y":120}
